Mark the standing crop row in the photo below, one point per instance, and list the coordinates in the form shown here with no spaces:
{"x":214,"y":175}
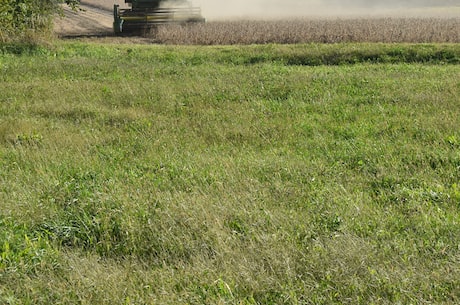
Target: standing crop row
{"x":388,"y":30}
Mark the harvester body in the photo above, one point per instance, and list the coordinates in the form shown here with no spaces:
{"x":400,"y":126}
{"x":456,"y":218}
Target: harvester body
{"x":144,"y":15}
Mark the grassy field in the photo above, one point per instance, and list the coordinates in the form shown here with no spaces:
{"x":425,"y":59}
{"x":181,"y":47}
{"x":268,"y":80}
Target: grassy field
{"x":274,"y":174}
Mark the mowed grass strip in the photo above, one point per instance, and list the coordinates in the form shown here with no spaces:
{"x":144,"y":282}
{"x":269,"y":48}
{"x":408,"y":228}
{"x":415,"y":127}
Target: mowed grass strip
{"x":206,"y":175}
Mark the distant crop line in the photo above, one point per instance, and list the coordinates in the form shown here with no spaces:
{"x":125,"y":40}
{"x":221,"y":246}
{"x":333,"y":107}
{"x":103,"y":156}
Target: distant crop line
{"x":387,"y":30}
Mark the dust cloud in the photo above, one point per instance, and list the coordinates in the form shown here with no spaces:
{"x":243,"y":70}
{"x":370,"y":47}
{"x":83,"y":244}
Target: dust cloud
{"x":263,"y":9}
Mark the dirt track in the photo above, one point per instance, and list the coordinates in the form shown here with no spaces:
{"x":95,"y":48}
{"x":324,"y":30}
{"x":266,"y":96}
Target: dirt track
{"x":95,"y":19}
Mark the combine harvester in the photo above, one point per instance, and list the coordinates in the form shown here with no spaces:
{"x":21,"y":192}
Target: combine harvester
{"x":144,"y":15}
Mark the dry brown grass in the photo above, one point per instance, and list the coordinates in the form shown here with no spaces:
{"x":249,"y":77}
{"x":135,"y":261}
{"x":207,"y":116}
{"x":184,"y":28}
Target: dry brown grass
{"x":412,"y":30}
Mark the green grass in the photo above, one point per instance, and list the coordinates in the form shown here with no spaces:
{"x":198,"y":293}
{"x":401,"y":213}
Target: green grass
{"x":306,"y":174}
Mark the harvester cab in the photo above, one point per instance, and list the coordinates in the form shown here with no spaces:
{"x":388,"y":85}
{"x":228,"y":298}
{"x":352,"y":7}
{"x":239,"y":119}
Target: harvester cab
{"x":143,"y":15}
